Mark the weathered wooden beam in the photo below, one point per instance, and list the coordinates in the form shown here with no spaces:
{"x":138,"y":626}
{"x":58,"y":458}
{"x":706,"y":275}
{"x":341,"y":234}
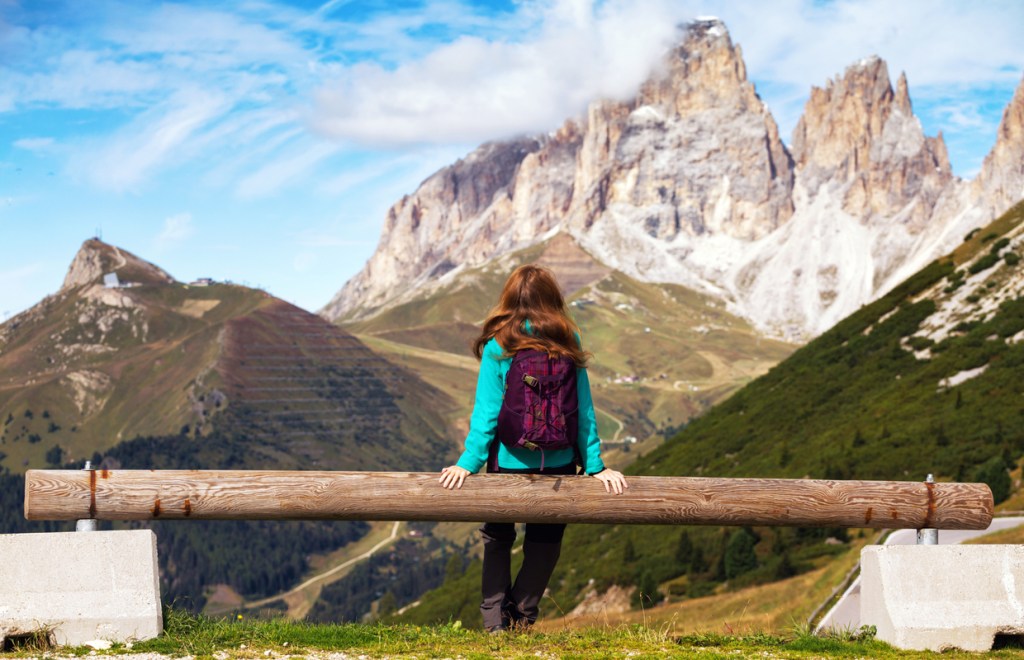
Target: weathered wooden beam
{"x":269,"y":495}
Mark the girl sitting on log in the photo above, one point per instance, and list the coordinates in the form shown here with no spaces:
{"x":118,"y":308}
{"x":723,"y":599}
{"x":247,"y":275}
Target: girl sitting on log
{"x":533,"y":415}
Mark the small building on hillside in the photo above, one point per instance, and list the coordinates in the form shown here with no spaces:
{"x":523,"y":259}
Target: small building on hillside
{"x":111,"y":282}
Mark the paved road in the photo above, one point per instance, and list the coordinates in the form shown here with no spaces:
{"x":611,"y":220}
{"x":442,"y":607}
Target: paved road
{"x":845,"y":614}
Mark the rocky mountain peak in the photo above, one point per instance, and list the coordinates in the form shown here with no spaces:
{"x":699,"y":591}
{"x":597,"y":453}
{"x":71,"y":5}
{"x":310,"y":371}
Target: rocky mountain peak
{"x":659,"y":163}
{"x":902,"y":100}
{"x":689,"y":183}
{"x":1001,"y":179}
{"x":840,"y":120}
{"x":861,"y":137}
{"x":96,"y":259}
{"x":661,"y":154}
{"x":704,"y":71}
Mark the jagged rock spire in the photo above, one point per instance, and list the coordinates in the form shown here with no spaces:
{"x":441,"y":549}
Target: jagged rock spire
{"x":860,"y":134}
{"x":1001,"y":179}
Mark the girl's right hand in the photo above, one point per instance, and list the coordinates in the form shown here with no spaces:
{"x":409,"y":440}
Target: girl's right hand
{"x":613,"y":481}
{"x":453,"y":476}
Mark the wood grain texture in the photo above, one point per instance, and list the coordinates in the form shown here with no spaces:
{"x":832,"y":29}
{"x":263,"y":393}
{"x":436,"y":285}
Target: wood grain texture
{"x":269,"y":495}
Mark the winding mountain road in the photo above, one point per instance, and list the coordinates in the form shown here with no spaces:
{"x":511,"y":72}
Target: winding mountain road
{"x":322,"y":577}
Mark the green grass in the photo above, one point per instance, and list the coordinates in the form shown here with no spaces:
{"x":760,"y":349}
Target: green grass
{"x":199,"y":637}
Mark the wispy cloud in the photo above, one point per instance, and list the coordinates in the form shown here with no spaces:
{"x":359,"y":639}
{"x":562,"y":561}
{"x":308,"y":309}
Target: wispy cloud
{"x":233,"y":91}
{"x":285,"y":169}
{"x":176,"y":229}
{"x":475,"y":89}
{"x":126,"y":158}
{"x":34,"y":144}
{"x":410,"y":167}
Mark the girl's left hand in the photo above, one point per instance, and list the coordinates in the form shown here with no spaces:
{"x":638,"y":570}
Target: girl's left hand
{"x":453,"y":476}
{"x":613,"y":481}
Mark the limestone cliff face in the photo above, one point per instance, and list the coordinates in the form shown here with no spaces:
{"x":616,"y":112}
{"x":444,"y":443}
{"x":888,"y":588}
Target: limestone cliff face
{"x":1000,"y":183}
{"x":689,"y":183}
{"x":860,"y":136}
{"x":426,"y":233}
{"x":695,"y":153}
{"x":869,"y":185}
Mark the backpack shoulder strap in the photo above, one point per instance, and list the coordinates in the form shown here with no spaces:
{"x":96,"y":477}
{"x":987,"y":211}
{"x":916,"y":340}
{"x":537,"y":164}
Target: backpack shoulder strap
{"x":492,"y":456}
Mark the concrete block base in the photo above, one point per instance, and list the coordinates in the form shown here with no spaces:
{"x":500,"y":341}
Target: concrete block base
{"x":81,"y":586}
{"x":943,"y":596}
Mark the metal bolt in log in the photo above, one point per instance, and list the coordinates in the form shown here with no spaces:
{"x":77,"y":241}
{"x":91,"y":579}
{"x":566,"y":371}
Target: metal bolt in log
{"x":314,"y":495}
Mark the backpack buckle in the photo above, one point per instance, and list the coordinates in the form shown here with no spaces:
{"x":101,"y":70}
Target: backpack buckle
{"x":530,"y":380}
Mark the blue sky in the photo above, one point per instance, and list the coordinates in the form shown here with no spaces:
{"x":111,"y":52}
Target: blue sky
{"x":263,"y":141}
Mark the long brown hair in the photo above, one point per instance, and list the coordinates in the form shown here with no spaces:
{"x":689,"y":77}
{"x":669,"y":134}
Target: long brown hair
{"x":532,"y":294}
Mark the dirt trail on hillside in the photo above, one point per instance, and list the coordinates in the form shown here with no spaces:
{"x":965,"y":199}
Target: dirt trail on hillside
{"x":298,"y":604}
{"x":388,"y":347}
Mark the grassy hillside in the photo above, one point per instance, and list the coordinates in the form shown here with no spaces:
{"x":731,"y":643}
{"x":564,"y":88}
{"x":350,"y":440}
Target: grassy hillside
{"x":882,"y":395}
{"x":926,"y":379}
{"x":92,"y":366}
{"x":87,"y":369}
{"x":161,"y":374}
{"x":662,"y":353}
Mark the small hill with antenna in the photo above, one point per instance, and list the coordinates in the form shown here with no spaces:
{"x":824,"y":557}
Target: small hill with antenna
{"x":124,"y":350}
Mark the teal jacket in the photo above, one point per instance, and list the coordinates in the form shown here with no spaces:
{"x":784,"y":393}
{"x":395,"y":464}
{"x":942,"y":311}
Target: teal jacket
{"x":490,"y":390}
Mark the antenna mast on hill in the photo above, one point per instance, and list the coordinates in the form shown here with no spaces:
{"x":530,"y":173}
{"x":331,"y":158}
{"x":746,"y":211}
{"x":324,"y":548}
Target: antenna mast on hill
{"x":99,"y":233}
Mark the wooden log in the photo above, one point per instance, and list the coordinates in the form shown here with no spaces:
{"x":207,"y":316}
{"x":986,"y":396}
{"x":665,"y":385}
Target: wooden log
{"x":269,"y":495}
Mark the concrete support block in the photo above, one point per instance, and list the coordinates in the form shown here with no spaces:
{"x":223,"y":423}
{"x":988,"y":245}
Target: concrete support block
{"x":81,"y":585}
{"x":943,"y":596}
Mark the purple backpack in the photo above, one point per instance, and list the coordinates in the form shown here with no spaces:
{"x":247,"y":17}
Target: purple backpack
{"x":540,"y":408}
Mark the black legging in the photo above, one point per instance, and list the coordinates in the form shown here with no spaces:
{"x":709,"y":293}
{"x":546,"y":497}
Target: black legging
{"x":502,"y":600}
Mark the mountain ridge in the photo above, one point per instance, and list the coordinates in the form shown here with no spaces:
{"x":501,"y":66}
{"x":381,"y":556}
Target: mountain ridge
{"x":101,"y":361}
{"x":689,"y":183}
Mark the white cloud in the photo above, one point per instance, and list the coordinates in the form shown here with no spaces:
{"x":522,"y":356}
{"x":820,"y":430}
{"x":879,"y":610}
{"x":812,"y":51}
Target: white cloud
{"x":473,"y":89}
{"x":233,"y":93}
{"x":285,"y":169}
{"x":125,"y":159}
{"x":34,"y":144}
{"x":176,"y":229}
{"x":188,"y":84}
{"x":88,"y":79}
